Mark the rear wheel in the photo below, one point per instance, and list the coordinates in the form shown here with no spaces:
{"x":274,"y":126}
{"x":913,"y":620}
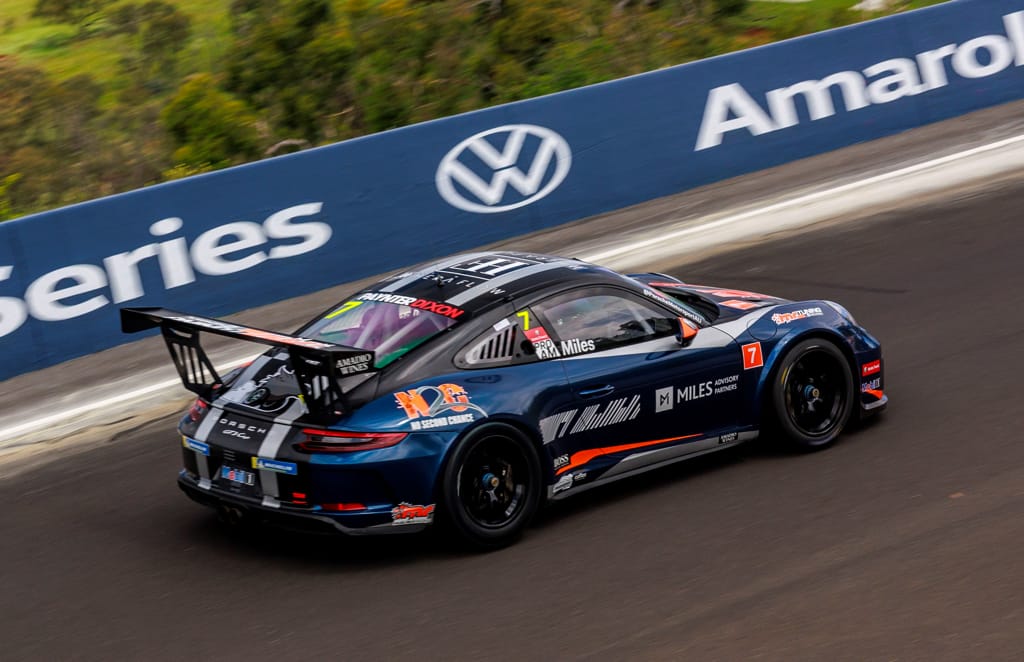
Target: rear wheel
{"x":812,"y":395}
{"x":491,"y":486}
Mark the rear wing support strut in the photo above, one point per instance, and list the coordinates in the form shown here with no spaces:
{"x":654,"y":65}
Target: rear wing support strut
{"x":317,"y":365}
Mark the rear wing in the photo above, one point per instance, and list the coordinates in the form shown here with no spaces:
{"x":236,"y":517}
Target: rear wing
{"x":318,"y":365}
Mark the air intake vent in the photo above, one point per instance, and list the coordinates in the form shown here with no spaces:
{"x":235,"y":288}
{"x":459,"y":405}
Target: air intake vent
{"x":495,"y":348}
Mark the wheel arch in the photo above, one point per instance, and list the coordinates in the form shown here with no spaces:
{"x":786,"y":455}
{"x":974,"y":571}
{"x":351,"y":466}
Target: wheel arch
{"x":515,"y":422}
{"x":782,"y":348}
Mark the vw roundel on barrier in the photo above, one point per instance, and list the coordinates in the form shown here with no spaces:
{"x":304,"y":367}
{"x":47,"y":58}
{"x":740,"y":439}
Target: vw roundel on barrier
{"x":469,"y":391}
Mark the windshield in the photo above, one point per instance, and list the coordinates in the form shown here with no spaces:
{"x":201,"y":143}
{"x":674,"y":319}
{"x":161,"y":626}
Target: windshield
{"x":388,"y":329}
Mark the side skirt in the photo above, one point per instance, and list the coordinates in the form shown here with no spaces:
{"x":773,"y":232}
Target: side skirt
{"x":639,"y":463}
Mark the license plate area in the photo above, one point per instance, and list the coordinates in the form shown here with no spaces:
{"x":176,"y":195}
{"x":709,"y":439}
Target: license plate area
{"x":239,"y":477}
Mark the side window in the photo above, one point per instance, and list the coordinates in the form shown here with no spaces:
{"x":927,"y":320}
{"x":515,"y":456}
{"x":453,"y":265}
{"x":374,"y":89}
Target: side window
{"x":502,"y":344}
{"x":593,"y":322}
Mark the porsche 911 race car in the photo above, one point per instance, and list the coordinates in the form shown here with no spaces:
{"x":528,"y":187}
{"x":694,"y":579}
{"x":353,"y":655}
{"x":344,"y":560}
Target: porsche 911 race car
{"x":470,"y":391}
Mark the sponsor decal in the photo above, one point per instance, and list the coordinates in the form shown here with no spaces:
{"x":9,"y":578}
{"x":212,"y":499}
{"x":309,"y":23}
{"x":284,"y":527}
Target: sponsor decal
{"x":480,"y":270}
{"x":240,"y":430}
{"x":694,"y":392}
{"x":353,"y":365}
{"x":576,"y":346}
{"x":752,"y":357}
{"x":731,"y":108}
{"x":594,"y":417}
{"x":546,"y":349}
{"x":425,"y":405}
{"x":79,"y":289}
{"x":872,"y":385}
{"x":580,"y":458}
{"x":537,"y":334}
{"x":870,"y":368}
{"x":442,"y":421}
{"x":674,"y":305}
{"x":661,"y":298}
{"x":196,"y":446}
{"x":344,"y":308}
{"x":663,"y":399}
{"x":256,"y":396}
{"x":561,"y":461}
{"x":726,"y":384}
{"x":563,"y":483}
{"x":436,"y":307}
{"x":279,"y":466}
{"x":498,"y":155}
{"x":739,"y":305}
{"x":794,"y":315}
{"x":272,"y":393}
{"x":485,"y":268}
{"x":728,"y":438}
{"x":579,"y":477}
{"x":237,"y":475}
{"x":407,"y":513}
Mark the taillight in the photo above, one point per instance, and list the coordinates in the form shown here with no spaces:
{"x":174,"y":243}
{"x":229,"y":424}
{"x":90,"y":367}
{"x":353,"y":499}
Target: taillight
{"x":338,"y":441}
{"x":197,"y":410}
{"x":342,"y":507}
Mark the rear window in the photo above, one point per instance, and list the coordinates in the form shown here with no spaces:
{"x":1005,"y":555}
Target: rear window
{"x":388,"y":329}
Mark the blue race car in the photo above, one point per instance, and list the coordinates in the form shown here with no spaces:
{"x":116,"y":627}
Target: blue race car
{"x":469,"y":391}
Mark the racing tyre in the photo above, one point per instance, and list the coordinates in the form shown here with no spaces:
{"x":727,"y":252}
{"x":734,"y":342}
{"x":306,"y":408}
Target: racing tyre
{"x":491,"y":487}
{"x":812,"y":395}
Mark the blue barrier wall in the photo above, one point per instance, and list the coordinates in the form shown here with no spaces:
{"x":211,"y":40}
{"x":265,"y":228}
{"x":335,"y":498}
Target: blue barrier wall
{"x":250,"y":235}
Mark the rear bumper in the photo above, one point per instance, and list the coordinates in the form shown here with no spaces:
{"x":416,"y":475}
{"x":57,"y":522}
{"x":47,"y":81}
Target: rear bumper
{"x":297,"y":518}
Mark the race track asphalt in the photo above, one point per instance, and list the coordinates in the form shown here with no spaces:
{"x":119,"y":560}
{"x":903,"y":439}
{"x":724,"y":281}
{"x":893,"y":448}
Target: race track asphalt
{"x":903,"y":542}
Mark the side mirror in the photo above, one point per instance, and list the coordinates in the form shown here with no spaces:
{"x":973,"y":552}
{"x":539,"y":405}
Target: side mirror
{"x":686,"y":331}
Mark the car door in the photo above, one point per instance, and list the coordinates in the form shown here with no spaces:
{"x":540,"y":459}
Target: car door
{"x":639,"y":393}
{"x":526,"y":384}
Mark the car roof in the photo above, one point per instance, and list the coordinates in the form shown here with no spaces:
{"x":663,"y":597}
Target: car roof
{"x":475,"y":282}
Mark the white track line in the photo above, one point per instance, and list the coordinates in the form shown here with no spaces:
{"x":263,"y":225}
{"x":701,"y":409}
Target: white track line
{"x":67,"y":416}
{"x":799,"y":201}
{"x":62,"y":417}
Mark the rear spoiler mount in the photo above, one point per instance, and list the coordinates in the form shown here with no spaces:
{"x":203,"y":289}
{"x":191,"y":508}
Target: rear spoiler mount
{"x":317,"y":365}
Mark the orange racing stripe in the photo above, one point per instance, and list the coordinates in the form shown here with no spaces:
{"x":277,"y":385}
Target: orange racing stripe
{"x":582,"y":457}
{"x":877,"y":394}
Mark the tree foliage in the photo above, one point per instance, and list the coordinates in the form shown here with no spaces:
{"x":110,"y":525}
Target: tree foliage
{"x":209,"y":127}
{"x":82,"y":13}
{"x":298,"y":73}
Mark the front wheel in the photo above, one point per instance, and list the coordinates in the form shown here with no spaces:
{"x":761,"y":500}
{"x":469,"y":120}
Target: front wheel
{"x":491,"y":486}
{"x":812,"y":395}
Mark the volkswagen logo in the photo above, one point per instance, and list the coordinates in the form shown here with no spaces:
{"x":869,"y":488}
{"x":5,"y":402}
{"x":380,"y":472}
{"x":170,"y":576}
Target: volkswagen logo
{"x":477,"y":173}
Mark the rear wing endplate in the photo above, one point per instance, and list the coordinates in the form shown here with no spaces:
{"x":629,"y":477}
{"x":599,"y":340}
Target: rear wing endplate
{"x":318,"y":365}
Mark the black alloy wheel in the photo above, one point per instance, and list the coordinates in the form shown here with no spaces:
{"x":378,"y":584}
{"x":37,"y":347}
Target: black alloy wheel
{"x":491,"y":486}
{"x":813,"y":394}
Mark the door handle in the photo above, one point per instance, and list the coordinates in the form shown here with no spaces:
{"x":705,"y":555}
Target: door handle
{"x":597,"y":391}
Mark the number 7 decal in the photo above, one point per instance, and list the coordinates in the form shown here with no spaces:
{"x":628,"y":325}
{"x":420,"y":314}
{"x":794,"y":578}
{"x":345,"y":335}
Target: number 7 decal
{"x":752,"y":356}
